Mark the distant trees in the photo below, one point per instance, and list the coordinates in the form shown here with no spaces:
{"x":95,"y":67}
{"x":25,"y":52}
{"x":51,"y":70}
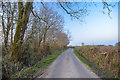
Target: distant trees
{"x":48,"y":18}
{"x":52,"y":20}
{"x":46,"y":29}
{"x":30,"y":35}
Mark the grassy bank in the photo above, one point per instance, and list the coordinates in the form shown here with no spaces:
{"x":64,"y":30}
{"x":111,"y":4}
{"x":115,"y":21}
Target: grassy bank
{"x":37,"y":69}
{"x":82,"y":58}
{"x":101,"y":59}
{"x":85,"y":61}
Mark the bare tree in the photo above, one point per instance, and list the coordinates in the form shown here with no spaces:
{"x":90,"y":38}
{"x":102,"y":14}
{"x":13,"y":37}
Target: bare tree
{"x":52,"y":19}
{"x":6,"y":23}
{"x":23,"y":17}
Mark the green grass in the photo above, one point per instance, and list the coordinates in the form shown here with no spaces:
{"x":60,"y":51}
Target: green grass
{"x":105,"y":73}
{"x":0,"y":58}
{"x":38,"y":68}
{"x":82,"y":59}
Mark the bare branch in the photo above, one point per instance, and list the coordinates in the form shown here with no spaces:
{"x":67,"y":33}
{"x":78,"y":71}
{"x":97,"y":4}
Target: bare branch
{"x":65,"y":9}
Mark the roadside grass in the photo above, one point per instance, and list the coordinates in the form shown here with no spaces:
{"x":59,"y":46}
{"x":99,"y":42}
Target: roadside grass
{"x":0,"y":58}
{"x":82,"y":58}
{"x":96,"y":62}
{"x":86,"y":62}
{"x":37,"y":69}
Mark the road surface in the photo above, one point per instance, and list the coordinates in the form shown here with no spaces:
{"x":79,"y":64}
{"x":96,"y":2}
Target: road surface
{"x":67,"y":65}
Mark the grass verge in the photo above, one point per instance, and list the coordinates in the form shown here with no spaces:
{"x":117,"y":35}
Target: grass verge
{"x":33,"y":71}
{"x":85,"y":61}
{"x":94,"y":67}
{"x":82,"y":59}
{"x":0,"y":58}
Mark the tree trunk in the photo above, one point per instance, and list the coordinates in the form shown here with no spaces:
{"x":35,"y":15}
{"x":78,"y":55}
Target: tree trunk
{"x":12,"y":23}
{"x":44,"y":35}
{"x":40,"y":40}
{"x":6,"y":31}
{"x":23,"y":17}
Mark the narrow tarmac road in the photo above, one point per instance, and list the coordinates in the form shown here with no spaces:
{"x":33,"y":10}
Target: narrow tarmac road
{"x":67,"y":65}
